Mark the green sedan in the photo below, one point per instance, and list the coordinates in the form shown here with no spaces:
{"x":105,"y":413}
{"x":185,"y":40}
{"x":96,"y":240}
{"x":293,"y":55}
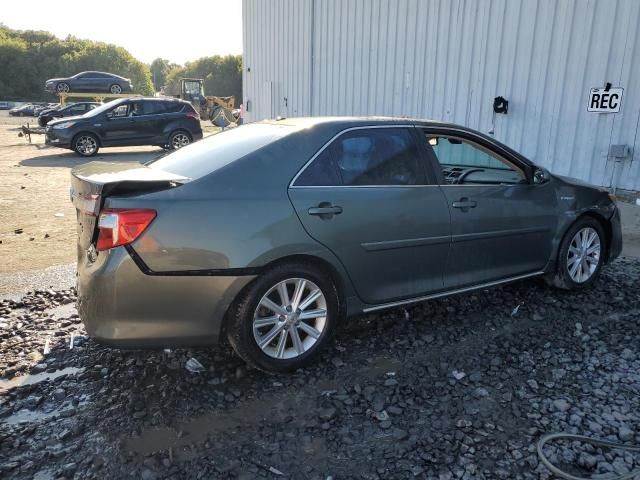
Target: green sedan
{"x":270,"y":234}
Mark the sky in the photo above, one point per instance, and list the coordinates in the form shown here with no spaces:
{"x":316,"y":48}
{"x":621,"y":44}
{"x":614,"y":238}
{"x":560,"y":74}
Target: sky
{"x":179,"y":31}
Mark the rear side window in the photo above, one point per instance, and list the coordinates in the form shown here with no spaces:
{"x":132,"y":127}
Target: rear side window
{"x":376,"y":156}
{"x":174,"y":107}
{"x":218,"y":150}
{"x":152,"y":108}
{"x":78,"y":108}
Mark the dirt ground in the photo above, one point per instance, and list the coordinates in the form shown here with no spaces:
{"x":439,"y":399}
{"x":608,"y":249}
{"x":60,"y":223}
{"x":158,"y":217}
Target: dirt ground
{"x":37,"y":220}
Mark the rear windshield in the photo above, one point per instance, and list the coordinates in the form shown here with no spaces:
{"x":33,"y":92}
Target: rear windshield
{"x":220,"y":149}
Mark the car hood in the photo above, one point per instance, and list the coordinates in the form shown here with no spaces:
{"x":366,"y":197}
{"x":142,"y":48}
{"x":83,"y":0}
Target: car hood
{"x":66,"y":119}
{"x":579,"y":183}
{"x":55,"y":79}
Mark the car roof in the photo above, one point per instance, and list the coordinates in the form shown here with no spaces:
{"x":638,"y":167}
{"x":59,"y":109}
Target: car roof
{"x":343,"y":123}
{"x":97,"y":71}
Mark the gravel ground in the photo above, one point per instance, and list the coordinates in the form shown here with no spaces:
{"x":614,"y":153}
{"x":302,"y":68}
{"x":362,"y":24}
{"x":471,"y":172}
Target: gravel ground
{"x":456,"y":388}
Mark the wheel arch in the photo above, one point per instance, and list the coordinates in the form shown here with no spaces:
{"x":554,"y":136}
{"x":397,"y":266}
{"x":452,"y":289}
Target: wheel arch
{"x":175,"y":129}
{"x":318,"y":262}
{"x":604,"y":223}
{"x":83,"y":132}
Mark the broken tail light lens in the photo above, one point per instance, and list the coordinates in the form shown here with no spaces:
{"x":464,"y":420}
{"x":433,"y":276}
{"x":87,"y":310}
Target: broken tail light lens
{"x":122,"y":226}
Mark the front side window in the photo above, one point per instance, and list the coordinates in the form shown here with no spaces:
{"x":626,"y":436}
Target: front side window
{"x":464,"y":162}
{"x":374,"y":157}
{"x":120,"y":111}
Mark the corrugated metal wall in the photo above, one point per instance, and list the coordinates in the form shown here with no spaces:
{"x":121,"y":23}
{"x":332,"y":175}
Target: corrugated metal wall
{"x":448,"y":59}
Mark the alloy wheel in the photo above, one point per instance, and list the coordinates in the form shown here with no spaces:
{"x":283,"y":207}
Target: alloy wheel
{"x":63,"y":88}
{"x":180,"y":140}
{"x":583,"y":256}
{"x":116,"y":89}
{"x":86,"y":145}
{"x":290,"y":318}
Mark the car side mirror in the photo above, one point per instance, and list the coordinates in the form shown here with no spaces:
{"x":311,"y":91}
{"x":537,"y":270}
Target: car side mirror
{"x":540,"y":176}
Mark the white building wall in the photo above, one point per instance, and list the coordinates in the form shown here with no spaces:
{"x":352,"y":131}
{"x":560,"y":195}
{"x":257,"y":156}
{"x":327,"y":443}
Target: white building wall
{"x":447,"y":60}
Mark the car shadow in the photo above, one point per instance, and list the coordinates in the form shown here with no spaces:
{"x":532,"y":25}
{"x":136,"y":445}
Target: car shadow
{"x":70,"y":159}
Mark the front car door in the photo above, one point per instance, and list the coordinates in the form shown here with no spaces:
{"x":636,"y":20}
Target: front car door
{"x":367,"y":198}
{"x":81,"y":83}
{"x":119,"y":125}
{"x":502,"y":224}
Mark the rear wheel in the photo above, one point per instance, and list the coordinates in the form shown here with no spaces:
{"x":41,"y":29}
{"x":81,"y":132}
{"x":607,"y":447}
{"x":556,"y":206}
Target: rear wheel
{"x":179,"y":139}
{"x":115,"y":89}
{"x":221,"y":117}
{"x":86,"y":144}
{"x":285,"y":318}
{"x":581,"y":255}
{"x":62,"y":87}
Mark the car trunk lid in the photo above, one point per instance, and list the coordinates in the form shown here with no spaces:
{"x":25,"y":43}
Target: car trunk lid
{"x":93,"y":182}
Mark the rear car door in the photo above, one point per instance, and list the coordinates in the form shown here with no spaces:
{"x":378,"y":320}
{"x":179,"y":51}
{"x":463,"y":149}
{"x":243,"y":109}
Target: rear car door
{"x":156,"y":119}
{"x":367,"y":198}
{"x":502,"y":224}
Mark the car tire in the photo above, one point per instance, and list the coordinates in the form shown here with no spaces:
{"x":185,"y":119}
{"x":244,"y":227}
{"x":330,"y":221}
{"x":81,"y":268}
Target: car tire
{"x":62,"y":87}
{"x":275,"y":337}
{"x":115,"y":89}
{"x":581,"y":255}
{"x":179,"y":139}
{"x":86,"y":144}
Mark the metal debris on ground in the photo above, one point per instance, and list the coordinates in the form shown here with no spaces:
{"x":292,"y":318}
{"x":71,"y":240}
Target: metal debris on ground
{"x":194,"y":366}
{"x":515,"y":311}
{"x":380,"y":416}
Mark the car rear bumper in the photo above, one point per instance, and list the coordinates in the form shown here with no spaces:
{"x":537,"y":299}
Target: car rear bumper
{"x":615,"y":246}
{"x":122,"y":306}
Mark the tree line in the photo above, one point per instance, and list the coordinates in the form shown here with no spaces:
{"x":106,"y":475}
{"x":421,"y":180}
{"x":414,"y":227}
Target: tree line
{"x":28,"y":58}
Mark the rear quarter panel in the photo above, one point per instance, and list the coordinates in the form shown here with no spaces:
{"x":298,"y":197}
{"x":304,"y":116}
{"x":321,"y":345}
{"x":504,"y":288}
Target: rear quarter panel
{"x":237,"y":217}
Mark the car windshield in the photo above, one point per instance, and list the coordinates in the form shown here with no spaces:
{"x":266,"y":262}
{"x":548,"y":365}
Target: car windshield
{"x":104,"y":108}
{"x":220,"y":149}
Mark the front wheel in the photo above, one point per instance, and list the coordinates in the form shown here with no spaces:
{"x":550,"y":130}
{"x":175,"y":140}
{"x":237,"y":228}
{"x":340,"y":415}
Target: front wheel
{"x":178,"y":140}
{"x":86,"y":145}
{"x":581,"y":255}
{"x":63,"y":88}
{"x":285,"y":318}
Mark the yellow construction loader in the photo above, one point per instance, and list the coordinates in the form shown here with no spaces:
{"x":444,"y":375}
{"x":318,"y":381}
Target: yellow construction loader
{"x":220,"y":110}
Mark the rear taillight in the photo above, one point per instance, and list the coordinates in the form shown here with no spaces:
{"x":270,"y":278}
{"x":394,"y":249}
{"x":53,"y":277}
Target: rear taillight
{"x":193,"y":115}
{"x":122,"y":226}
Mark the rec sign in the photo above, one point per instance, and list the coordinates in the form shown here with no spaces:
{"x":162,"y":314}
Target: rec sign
{"x":604,"y":100}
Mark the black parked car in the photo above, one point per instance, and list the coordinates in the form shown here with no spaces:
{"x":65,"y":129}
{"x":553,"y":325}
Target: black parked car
{"x":72,"y":110}
{"x":165,"y":122}
{"x":90,"y":82}
{"x":23,"y":110}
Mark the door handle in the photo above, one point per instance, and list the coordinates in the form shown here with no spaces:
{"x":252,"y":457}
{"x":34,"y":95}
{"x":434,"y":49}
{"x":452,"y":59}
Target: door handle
{"x":464,"y":204}
{"x":325,"y":210}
